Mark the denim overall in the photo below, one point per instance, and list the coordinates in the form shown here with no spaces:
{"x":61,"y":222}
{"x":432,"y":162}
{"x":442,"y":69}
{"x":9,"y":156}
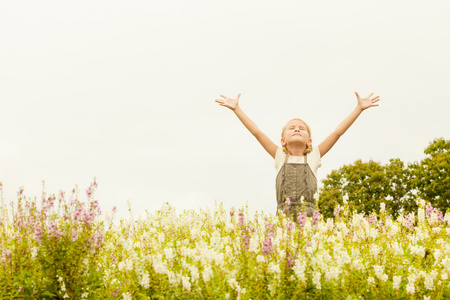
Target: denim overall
{"x":294,"y":181}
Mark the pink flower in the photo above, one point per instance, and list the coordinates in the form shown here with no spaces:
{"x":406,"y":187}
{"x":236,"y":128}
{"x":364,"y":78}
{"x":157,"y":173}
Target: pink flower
{"x":316,"y":217}
{"x":337,"y":211}
{"x":74,"y":235}
{"x":290,"y":226}
{"x":288,"y":201}
{"x":241,"y":218}
{"x":38,"y":234}
{"x":267,"y":246}
{"x":372,"y":218}
{"x":301,"y":219}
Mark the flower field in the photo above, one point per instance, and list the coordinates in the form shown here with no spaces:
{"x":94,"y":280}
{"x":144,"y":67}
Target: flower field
{"x":59,"y":247}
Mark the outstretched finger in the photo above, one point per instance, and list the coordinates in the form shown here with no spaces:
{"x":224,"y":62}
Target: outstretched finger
{"x":237,"y":97}
{"x":357,"y":95}
{"x":370,"y":95}
{"x":225,"y":97}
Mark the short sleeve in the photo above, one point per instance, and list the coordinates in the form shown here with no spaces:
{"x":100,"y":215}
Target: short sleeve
{"x":279,"y":158}
{"x":314,"y":160}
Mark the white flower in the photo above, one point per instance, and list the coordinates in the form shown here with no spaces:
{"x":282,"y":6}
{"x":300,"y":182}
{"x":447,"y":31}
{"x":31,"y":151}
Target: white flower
{"x":396,"y":282}
{"x":371,"y":280}
{"x":375,"y":250}
{"x":382,"y":207}
{"x":186,"y":283}
{"x":437,"y":254}
{"x":429,"y":280}
{"x":260,"y":259}
{"x":316,"y":280}
{"x":274,"y":268}
{"x":299,"y":269}
{"x":207,"y":274}
{"x":145,"y":281}
{"x":127,"y":296}
{"x":168,"y":252}
{"x":426,"y":297}
{"x":410,"y":288}
{"x":254,"y":245}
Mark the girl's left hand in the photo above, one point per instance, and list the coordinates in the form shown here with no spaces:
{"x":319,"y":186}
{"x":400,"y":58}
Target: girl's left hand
{"x":367,"y":102}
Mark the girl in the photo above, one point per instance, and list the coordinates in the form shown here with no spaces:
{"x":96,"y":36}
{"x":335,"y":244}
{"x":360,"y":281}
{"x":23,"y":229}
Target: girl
{"x":297,"y":161}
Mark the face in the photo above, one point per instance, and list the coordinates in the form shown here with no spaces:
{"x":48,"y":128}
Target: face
{"x":296,"y":132}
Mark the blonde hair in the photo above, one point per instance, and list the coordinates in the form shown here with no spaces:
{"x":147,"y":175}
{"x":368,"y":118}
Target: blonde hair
{"x":308,"y":149}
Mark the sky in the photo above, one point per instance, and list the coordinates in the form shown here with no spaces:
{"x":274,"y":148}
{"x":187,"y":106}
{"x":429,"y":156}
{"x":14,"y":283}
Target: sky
{"x":123,"y":91}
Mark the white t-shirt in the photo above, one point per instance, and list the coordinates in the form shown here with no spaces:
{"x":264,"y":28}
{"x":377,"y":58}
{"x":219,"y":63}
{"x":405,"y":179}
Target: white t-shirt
{"x":314,"y":161}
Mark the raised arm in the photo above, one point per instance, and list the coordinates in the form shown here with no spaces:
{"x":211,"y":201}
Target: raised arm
{"x":363,"y":103}
{"x":262,"y":138}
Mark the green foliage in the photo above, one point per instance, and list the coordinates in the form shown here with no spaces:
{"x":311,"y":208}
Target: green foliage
{"x":431,"y":177}
{"x":366,"y":184}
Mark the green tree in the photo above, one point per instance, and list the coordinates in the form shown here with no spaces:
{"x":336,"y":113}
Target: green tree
{"x":431,"y":177}
{"x":366,"y":185}
{"x":361,"y":184}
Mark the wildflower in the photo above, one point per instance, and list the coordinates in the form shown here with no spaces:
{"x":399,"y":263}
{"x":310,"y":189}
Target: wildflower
{"x":274,"y":268}
{"x":260,"y":259}
{"x":301,"y":219}
{"x":290,"y":226}
{"x":371,"y":280}
{"x":253,"y":245}
{"x":241,"y":218}
{"x":267,"y":246}
{"x":145,"y":280}
{"x":186,"y":283}
{"x":410,"y":289}
{"x":290,"y":260}
{"x":127,"y":296}
{"x":74,"y":235}
{"x":288,"y":201}
{"x":336,"y":212}
{"x":372,"y":218}
{"x":316,"y":280}
{"x":207,"y":274}
{"x":316,"y":216}
{"x":396,"y":282}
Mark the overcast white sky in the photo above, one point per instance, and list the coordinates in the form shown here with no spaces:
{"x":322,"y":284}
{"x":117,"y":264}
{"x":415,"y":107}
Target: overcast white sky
{"x":124,"y":91}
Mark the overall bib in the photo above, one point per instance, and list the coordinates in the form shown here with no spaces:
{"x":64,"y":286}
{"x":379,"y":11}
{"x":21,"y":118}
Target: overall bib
{"x":294,"y":181}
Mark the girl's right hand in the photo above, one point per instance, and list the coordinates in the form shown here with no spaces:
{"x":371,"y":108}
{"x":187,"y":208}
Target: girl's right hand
{"x":229,"y":102}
